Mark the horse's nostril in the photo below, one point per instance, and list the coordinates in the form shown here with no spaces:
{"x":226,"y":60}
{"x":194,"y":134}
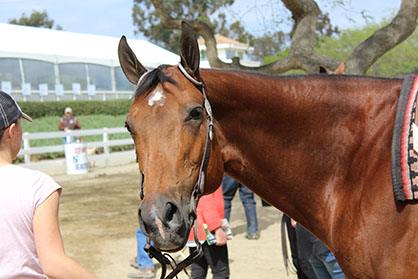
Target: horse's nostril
{"x":171,"y":209}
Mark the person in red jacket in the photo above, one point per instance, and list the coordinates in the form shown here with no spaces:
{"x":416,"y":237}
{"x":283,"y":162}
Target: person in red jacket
{"x":210,"y":211}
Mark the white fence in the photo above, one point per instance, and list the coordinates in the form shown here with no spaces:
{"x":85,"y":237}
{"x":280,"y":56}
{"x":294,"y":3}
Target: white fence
{"x":27,"y":150}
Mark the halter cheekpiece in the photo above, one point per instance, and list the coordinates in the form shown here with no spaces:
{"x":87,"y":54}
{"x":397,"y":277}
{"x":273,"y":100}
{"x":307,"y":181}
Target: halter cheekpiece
{"x":207,"y":104}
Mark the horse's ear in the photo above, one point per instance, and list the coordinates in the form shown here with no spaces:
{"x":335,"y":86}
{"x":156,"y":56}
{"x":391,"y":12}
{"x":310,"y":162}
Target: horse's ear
{"x":189,"y":50}
{"x":323,"y":70}
{"x":340,"y":69}
{"x":132,"y":68}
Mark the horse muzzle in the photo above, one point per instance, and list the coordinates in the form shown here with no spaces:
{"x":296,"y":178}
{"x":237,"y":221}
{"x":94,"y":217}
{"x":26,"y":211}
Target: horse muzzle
{"x":165,"y":222}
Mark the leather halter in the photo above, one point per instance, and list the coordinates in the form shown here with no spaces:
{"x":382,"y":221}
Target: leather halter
{"x":197,"y":191}
{"x":200,"y":184}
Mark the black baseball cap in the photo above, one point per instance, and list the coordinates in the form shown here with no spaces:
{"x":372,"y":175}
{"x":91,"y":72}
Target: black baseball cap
{"x":9,"y":111}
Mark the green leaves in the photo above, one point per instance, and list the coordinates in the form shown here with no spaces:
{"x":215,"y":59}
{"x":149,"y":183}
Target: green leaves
{"x":148,"y":22}
{"x":401,"y":60}
{"x":36,"y":19}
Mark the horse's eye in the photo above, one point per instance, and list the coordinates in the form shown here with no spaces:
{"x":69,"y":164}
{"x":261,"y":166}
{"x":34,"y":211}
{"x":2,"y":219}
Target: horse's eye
{"x":127,"y":127}
{"x":195,"y":114}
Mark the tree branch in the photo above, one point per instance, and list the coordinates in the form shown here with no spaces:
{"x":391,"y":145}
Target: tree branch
{"x":168,"y":21}
{"x":384,"y":39}
{"x":305,"y":14}
{"x":200,"y":27}
{"x":302,"y":54}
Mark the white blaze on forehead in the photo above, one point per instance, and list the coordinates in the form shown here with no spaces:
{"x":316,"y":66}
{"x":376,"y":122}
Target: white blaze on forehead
{"x":157,"y":98}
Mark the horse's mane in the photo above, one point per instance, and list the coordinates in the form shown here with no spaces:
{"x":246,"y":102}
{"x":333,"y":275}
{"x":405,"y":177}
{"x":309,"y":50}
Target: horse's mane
{"x":152,"y":79}
{"x":156,"y":76}
{"x":303,"y":76}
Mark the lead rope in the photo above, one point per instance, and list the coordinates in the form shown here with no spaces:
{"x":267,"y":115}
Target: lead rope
{"x":165,"y":259}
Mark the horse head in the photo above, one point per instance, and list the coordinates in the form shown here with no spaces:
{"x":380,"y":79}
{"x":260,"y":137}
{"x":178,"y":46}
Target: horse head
{"x":178,"y":156}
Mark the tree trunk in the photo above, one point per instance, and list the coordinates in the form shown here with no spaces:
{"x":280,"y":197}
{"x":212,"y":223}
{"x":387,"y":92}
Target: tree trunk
{"x":384,"y":39}
{"x":301,"y":53}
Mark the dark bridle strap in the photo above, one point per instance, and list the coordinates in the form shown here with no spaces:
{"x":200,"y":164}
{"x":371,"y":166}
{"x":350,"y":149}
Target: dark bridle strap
{"x":165,"y":259}
{"x":200,"y":184}
{"x":141,"y":187}
{"x":207,"y":105}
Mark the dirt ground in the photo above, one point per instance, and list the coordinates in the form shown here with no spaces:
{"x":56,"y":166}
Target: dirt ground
{"x":98,"y":217}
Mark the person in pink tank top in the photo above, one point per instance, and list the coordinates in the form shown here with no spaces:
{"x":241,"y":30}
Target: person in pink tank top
{"x":31,"y":243}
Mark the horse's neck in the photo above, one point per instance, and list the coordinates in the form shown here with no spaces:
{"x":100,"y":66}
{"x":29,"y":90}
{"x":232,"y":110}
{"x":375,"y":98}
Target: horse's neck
{"x":280,"y":138}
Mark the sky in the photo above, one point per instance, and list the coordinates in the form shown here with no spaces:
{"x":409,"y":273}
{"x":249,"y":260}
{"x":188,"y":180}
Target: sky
{"x":113,"y":17}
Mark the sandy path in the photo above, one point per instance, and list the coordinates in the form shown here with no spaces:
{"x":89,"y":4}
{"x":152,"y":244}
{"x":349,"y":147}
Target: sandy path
{"x":98,"y":223}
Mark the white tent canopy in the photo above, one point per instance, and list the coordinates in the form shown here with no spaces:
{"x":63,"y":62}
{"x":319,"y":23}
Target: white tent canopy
{"x":63,"y":47}
{"x":45,"y":64}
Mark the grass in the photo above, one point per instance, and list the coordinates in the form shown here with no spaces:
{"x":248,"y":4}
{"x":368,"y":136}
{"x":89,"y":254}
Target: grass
{"x":50,"y":124}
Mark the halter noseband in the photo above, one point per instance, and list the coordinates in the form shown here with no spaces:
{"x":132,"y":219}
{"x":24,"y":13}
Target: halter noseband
{"x":197,"y":191}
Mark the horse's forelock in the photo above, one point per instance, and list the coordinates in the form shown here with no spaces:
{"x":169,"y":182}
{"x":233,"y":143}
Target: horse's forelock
{"x":152,"y":79}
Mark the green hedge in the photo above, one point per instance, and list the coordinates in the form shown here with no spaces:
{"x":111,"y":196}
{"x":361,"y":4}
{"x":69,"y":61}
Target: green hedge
{"x":109,"y":107}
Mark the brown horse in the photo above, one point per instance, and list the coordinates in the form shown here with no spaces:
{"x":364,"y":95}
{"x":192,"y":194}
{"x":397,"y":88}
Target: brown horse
{"x":316,"y":147}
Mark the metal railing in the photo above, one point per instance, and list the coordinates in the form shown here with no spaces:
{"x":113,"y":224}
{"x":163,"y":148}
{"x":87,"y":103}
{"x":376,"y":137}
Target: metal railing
{"x":26,"y":150}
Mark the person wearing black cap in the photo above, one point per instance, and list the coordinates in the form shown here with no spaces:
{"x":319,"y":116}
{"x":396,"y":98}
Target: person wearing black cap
{"x":31,"y":242}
